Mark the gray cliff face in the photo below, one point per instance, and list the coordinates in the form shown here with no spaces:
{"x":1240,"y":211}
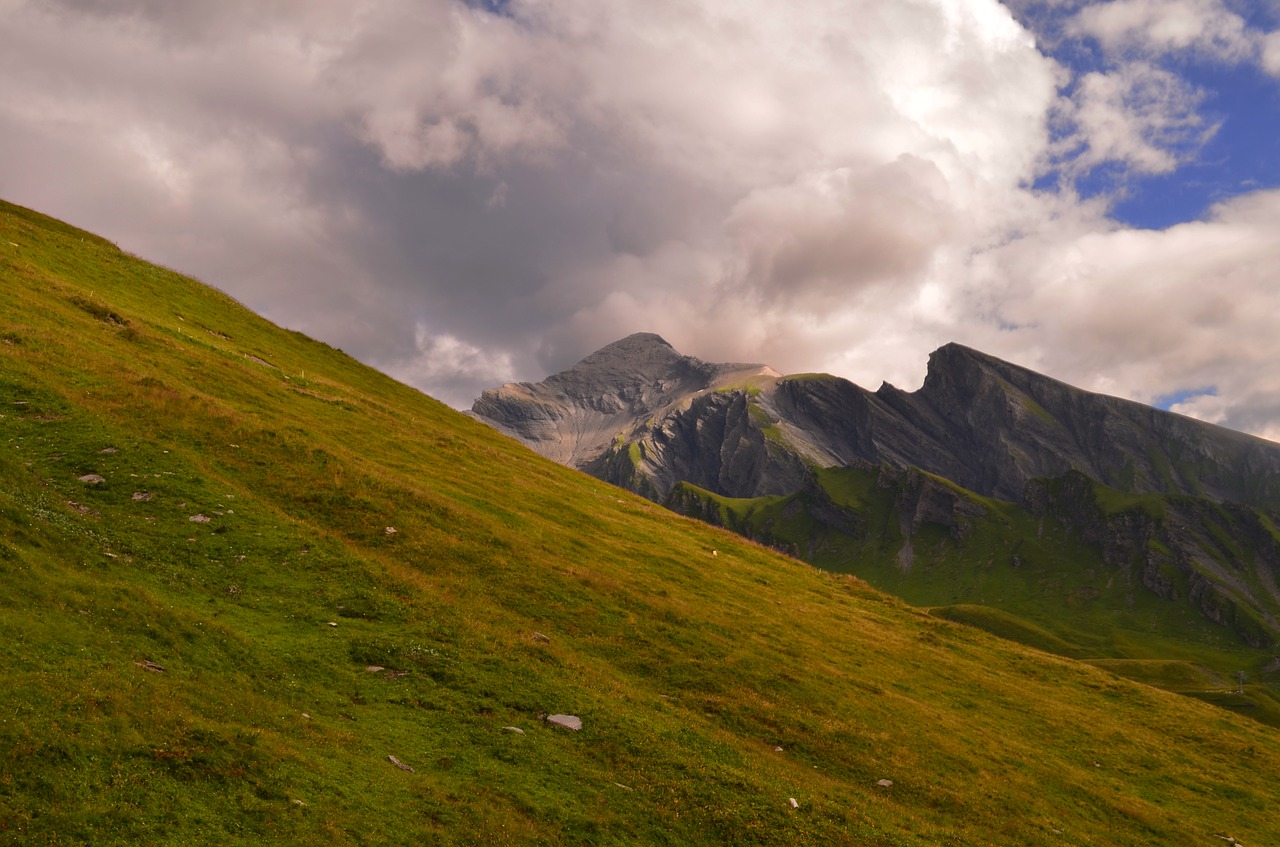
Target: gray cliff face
{"x":992,"y":427}
{"x":715,"y":442}
{"x":642,"y":416}
{"x":1006,"y":425}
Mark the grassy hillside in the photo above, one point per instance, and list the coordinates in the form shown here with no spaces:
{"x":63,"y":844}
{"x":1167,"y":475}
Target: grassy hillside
{"x":332,"y":569}
{"x":1031,"y":578}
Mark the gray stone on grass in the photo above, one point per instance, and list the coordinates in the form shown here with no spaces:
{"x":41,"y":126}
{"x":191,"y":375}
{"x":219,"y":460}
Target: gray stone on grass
{"x":92,"y":479}
{"x":572,"y":722}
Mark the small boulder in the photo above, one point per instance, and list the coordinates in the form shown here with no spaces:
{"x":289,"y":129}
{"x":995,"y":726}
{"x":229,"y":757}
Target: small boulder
{"x":794,"y":804}
{"x":199,"y":519}
{"x":885,"y":783}
{"x":572,"y":722}
{"x":92,"y":479}
{"x":517,"y":730}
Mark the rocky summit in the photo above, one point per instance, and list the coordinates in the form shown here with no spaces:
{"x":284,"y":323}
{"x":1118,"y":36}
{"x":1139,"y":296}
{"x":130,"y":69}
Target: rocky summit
{"x":1100,"y":516}
{"x":575,"y":416}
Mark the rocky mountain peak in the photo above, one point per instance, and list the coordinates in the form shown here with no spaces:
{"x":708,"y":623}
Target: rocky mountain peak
{"x":956,"y":369}
{"x":640,"y":359}
{"x":575,"y":415}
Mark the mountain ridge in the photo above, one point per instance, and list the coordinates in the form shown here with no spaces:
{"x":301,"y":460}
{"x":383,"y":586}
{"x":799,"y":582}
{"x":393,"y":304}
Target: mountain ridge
{"x":993,"y":429}
{"x":960,"y":382}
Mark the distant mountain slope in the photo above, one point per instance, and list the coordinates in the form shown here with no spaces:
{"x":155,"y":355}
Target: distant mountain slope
{"x":257,"y":593}
{"x":1148,"y":502}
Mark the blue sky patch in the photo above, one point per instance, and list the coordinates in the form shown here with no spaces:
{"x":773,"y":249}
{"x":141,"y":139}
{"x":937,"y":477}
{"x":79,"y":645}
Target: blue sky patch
{"x":1168,"y":401}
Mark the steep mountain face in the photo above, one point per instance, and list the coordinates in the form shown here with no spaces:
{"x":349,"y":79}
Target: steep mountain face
{"x":1004,"y":425}
{"x":726,"y":441}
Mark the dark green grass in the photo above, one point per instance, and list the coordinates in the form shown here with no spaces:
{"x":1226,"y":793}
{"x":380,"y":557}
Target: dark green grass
{"x":510,"y":588}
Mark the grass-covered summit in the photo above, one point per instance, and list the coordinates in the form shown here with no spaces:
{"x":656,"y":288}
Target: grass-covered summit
{"x":242,"y":572}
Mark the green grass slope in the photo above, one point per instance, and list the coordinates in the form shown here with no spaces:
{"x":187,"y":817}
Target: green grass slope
{"x":993,"y":564}
{"x":241,"y":539}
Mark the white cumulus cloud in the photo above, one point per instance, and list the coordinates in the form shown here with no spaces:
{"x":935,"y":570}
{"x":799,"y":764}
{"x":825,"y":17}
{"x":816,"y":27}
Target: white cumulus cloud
{"x":1158,"y":27}
{"x":1138,"y":115}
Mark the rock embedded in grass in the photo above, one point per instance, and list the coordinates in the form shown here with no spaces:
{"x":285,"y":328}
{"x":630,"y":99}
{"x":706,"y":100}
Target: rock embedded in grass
{"x":572,"y":722}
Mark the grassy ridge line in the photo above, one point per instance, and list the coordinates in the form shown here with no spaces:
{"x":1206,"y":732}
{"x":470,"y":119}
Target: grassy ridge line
{"x":688,"y":668}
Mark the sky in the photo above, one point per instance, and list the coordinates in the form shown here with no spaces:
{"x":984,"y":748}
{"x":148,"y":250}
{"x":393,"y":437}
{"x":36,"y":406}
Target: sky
{"x":464,"y":194}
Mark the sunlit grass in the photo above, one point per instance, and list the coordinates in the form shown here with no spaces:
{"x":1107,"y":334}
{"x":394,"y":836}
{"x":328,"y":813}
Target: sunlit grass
{"x":510,"y":588}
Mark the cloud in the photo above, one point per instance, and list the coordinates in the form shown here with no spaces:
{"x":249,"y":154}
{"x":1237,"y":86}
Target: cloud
{"x":825,"y":237}
{"x":1139,"y":116}
{"x":1160,"y":27}
{"x":464,"y":198}
{"x":452,"y":366}
{"x":1270,"y":54}
{"x":1145,"y":314}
